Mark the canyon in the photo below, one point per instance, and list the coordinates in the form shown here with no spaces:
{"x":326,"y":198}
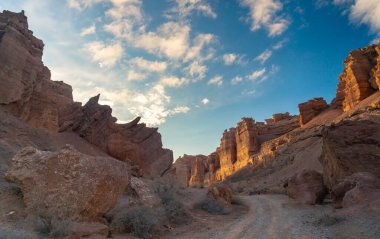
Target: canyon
{"x":69,"y":170}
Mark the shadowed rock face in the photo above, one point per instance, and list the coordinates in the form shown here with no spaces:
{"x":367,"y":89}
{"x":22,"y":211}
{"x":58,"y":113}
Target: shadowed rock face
{"x":131,"y":142}
{"x":68,"y":185}
{"x":360,"y":78}
{"x":307,"y":187}
{"x":25,"y":86}
{"x":352,"y":145}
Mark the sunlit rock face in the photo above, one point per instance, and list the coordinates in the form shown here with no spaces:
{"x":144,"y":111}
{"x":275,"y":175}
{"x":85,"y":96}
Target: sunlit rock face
{"x":238,"y":148}
{"x":26,"y":90}
{"x":132,"y":142}
{"x":360,"y":78}
{"x":308,"y":110}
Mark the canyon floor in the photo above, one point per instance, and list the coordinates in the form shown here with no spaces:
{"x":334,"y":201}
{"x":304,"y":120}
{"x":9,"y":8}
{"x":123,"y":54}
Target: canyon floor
{"x":277,"y":216}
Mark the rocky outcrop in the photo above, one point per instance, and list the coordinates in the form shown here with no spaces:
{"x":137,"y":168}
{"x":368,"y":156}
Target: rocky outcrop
{"x":310,"y":109}
{"x":360,"y":77}
{"x":238,"y":148}
{"x":352,"y":145}
{"x":357,"y":189}
{"x":221,"y":192}
{"x":67,"y":185}
{"x":25,"y":86}
{"x":132,"y":142}
{"x":307,"y":187}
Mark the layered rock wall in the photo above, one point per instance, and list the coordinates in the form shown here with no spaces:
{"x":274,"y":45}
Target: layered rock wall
{"x":25,"y":86}
{"x":308,"y":110}
{"x":360,"y":77}
{"x":238,"y":148}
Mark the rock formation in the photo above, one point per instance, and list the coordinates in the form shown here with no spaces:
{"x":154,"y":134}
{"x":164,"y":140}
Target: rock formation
{"x":67,"y":185}
{"x":131,"y":142}
{"x":26,"y":89}
{"x":310,"y":109}
{"x":307,"y":187}
{"x":27,"y":92}
{"x":238,"y":149}
{"x":360,"y":77}
{"x":350,"y":146}
{"x":357,"y":189}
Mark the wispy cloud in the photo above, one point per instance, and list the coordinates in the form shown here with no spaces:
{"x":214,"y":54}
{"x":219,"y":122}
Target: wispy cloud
{"x":236,"y":80}
{"x":263,"y":57}
{"x":151,"y":66}
{"x":184,"y":8}
{"x":88,"y":31}
{"x":106,"y":55}
{"x":173,"y":81}
{"x":363,"y":12}
{"x":216,"y":80}
{"x":267,"y":14}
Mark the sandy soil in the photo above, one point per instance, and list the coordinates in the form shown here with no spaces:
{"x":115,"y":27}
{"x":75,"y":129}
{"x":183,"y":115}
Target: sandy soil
{"x":276,"y":216}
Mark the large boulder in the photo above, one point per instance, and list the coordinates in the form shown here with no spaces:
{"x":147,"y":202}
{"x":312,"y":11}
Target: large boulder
{"x":350,"y":146}
{"x":220,"y":192}
{"x":307,"y":187}
{"x":356,"y":189}
{"x":67,"y":185}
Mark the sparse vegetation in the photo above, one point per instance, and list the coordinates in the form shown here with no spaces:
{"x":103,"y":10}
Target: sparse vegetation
{"x":138,"y":220}
{"x":47,"y":227}
{"x":211,"y":206}
{"x":327,"y":220}
{"x":6,"y":233}
{"x":174,"y":209}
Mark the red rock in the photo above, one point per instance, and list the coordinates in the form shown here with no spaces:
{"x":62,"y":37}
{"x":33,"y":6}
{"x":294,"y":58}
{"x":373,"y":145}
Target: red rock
{"x":360,"y":77}
{"x":350,"y":146}
{"x":221,"y":192}
{"x":310,"y":109}
{"x":355,"y":190}
{"x":25,"y":86}
{"x":68,"y":185}
{"x":307,"y":187}
{"x":131,"y":142}
{"x":197,"y":171}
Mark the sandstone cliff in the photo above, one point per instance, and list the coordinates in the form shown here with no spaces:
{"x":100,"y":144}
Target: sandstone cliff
{"x":238,"y":149}
{"x":27,"y":92}
{"x":360,"y":77}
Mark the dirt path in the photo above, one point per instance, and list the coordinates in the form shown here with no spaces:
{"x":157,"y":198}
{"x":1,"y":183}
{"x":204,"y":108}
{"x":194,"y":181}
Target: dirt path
{"x":278,"y":217}
{"x":271,"y":217}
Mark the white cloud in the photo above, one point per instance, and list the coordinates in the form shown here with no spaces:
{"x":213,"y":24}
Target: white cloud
{"x":264,"y":13}
{"x":279,"y":44}
{"x":262,"y":75}
{"x":105,"y":55}
{"x":263,"y":57}
{"x":171,"y":40}
{"x":152,"y":106}
{"x":173,"y":81}
{"x":133,"y":75}
{"x":151,"y":66}
{"x":185,"y":7}
{"x":236,"y":80}
{"x":199,"y":42}
{"x":205,"y":101}
{"x":364,"y":12}
{"x":196,"y":70}
{"x":258,"y":75}
{"x":229,"y":59}
{"x":216,"y":80}
{"x":88,"y":31}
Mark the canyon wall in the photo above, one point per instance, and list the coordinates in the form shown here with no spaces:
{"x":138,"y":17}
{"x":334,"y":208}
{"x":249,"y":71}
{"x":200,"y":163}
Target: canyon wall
{"x":27,"y":92}
{"x":237,"y":149}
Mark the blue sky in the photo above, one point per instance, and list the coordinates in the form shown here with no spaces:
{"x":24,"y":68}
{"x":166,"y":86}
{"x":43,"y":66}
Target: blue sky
{"x":195,"y":67}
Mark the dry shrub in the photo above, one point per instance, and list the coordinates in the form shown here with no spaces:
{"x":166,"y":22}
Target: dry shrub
{"x":139,"y":221}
